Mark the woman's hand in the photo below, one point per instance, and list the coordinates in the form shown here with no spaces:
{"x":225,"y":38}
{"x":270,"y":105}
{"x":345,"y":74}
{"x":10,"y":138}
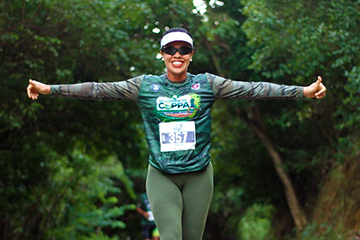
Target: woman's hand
{"x":35,"y":88}
{"x":316,"y":89}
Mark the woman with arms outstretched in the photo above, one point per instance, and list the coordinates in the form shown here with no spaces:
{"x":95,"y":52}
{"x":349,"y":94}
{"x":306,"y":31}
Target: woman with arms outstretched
{"x":175,"y":108}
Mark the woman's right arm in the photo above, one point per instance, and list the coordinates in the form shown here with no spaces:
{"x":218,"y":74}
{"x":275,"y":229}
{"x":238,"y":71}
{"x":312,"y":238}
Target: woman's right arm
{"x":126,"y":90}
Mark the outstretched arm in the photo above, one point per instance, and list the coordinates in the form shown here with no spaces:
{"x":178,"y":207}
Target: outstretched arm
{"x":316,"y":89}
{"x":126,"y":90}
{"x":228,"y":89}
{"x":35,"y":88}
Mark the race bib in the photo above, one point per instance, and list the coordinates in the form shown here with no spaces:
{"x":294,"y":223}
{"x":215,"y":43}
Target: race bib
{"x":177,"y":136}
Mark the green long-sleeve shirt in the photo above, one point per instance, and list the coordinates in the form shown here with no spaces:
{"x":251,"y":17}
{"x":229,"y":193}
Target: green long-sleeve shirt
{"x":177,"y":116}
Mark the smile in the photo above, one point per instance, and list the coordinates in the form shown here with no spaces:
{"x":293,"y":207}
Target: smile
{"x":177,"y":63}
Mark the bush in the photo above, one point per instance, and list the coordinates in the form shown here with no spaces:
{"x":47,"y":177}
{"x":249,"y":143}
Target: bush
{"x":256,"y":223}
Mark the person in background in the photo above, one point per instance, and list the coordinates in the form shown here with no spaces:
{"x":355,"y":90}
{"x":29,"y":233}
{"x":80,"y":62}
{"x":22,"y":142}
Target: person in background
{"x":175,"y":108}
{"x":147,"y":219}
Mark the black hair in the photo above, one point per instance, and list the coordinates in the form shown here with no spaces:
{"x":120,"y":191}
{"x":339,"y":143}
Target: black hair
{"x":177,"y":29}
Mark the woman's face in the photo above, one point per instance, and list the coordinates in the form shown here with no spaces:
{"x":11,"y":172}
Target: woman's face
{"x":177,"y":64}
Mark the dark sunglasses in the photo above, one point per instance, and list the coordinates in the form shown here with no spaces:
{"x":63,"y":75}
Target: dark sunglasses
{"x":172,"y":50}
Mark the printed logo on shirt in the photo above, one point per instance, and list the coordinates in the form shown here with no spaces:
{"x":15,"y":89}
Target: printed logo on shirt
{"x":178,"y":106}
{"x":195,"y":86}
{"x":155,"y":87}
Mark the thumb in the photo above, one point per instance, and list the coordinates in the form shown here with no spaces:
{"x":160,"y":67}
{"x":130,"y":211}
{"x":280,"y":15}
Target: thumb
{"x":319,"y":80}
{"x":32,"y":82}
{"x":36,"y":85}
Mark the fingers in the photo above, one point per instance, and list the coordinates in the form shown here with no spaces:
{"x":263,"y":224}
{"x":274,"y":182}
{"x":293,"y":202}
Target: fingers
{"x":28,"y":89}
{"x":321,"y":89}
{"x":32,"y":91}
{"x":322,"y":92}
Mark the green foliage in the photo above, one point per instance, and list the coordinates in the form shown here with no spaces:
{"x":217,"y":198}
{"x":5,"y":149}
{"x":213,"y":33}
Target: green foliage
{"x":291,"y":42}
{"x":99,"y":236}
{"x":90,"y":199}
{"x":48,"y":189}
{"x":351,"y":102}
{"x":63,"y":161}
{"x":72,"y":196}
{"x":256,"y":223}
{"x":316,"y":231}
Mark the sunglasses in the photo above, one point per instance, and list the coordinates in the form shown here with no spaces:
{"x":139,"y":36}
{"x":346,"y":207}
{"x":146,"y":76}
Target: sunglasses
{"x":172,"y":50}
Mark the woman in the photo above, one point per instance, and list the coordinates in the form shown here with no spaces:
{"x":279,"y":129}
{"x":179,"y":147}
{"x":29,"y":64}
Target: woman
{"x":175,"y":108}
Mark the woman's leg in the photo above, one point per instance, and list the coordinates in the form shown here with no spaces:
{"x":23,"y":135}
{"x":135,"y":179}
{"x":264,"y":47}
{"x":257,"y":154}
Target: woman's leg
{"x":166,"y":204}
{"x":180,"y":202}
{"x":197,"y":195}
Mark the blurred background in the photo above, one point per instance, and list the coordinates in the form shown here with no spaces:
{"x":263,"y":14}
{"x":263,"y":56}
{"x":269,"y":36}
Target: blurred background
{"x":71,"y":169}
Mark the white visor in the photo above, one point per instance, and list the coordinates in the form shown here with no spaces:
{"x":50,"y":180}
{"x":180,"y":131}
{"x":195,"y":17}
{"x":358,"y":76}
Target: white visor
{"x":174,"y":37}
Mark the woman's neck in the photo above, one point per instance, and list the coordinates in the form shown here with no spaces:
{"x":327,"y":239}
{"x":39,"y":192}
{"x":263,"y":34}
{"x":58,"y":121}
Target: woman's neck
{"x":177,"y":78}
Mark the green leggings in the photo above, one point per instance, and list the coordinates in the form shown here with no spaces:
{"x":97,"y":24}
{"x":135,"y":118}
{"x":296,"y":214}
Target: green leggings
{"x":180,"y":202}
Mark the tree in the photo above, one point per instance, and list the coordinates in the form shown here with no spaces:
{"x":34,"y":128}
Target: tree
{"x":295,"y":43}
{"x":41,"y":177}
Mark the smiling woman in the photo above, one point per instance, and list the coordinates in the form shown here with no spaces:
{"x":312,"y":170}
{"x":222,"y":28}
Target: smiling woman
{"x":175,"y":108}
{"x":177,"y":51}
{"x":177,"y":63}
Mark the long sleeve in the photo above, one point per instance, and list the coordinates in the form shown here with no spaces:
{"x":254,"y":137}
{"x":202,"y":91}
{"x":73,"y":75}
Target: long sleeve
{"x":226,"y":89}
{"x":125,"y":90}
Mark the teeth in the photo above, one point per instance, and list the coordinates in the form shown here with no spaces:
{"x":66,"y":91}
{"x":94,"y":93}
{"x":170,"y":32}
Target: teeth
{"x":177,"y":63}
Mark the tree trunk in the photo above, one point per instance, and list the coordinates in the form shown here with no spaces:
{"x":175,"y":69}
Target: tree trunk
{"x":256,"y":125}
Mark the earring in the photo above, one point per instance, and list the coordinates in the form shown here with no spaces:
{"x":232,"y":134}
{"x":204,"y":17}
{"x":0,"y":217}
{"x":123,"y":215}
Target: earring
{"x":190,"y":59}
